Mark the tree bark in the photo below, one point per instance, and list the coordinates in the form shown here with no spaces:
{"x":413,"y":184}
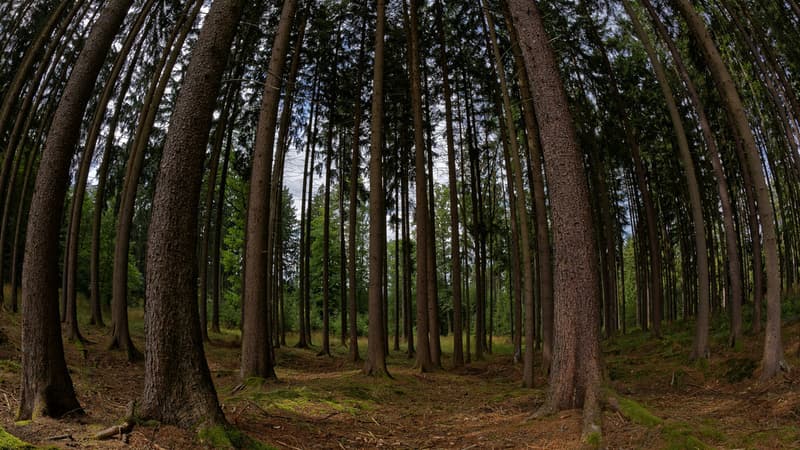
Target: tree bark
{"x":256,"y":348}
{"x":177,"y":388}
{"x":376,"y":355}
{"x":120,"y":336}
{"x":773,"y":359}
{"x":46,"y":384}
{"x":576,"y":374}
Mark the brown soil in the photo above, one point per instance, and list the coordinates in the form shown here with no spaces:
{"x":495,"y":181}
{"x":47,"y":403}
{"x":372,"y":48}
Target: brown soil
{"x":325,"y":402}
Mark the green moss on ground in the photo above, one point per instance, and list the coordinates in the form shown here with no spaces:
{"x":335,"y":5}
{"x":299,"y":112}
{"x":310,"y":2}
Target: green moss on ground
{"x":10,"y":441}
{"x":221,"y":437}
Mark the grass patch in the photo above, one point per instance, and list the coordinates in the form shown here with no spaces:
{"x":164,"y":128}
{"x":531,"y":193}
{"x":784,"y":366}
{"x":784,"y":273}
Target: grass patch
{"x":220,"y":437}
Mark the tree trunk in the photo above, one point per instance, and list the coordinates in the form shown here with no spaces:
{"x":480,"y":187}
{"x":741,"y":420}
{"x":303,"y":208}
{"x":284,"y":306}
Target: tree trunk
{"x":376,"y":355}
{"x":700,"y":346}
{"x":174,"y":357}
{"x":256,"y":346}
{"x":455,"y":250}
{"x":522,"y":211}
{"x":576,"y":374}
{"x":731,"y":245}
{"x":424,"y":360}
{"x":46,"y":384}
{"x":120,"y":336}
{"x":773,"y":359}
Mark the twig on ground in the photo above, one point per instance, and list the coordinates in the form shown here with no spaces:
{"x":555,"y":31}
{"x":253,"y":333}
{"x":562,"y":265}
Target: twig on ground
{"x":287,"y":445}
{"x":60,"y":437}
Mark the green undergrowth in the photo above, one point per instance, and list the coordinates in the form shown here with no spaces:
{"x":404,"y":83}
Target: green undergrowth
{"x":221,"y":437}
{"x":676,"y":434}
{"x":9,"y":441}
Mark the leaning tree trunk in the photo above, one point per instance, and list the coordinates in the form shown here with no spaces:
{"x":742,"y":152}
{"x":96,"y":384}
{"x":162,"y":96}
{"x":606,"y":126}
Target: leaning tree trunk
{"x":178,"y":389}
{"x":773,"y":359}
{"x":575,"y":374}
{"x":375,"y":363}
{"x":46,"y":385}
{"x":700,"y":347}
{"x":71,"y":257}
{"x":256,"y":347}
{"x":120,"y":334}
{"x":731,"y":244}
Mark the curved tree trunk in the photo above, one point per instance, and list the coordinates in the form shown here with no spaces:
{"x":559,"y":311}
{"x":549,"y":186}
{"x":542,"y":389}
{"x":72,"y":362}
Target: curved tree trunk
{"x":71,"y":257}
{"x":177,"y":388}
{"x":522,"y":210}
{"x":120,"y":335}
{"x":256,"y":348}
{"x":46,"y":385}
{"x":731,"y":244}
{"x":700,"y":346}
{"x":575,"y":374}
{"x":773,"y":358}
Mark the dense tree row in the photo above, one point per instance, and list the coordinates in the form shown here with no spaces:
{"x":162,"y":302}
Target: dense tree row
{"x":579,"y":168}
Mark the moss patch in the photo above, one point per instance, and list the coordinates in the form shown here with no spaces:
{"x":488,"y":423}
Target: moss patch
{"x":638,"y":413}
{"x":220,"y":437}
{"x":10,"y":441}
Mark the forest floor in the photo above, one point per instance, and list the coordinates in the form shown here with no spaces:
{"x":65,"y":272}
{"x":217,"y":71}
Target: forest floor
{"x":325,"y":402}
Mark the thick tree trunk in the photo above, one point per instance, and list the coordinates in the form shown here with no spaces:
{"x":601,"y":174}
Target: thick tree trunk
{"x":256,"y":348}
{"x":46,"y":385}
{"x":376,"y":354}
{"x":773,"y":359}
{"x":576,"y":374}
{"x":177,"y":388}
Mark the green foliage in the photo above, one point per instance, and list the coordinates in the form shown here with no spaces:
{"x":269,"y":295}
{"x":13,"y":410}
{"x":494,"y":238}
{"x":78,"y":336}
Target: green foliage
{"x":739,"y":369}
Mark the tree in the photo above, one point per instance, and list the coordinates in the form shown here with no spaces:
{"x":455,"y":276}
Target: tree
{"x":256,"y":348}
{"x":46,"y":385}
{"x":575,"y":374}
{"x":174,"y":357}
{"x":773,"y":359}
{"x":375,"y":363}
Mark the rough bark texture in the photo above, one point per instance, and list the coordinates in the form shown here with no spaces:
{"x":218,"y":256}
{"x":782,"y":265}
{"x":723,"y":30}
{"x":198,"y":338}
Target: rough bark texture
{"x":575,"y":374}
{"x":773,"y":359}
{"x":375,"y":363}
{"x":177,"y":388}
{"x":256,"y":348}
{"x":46,"y":384}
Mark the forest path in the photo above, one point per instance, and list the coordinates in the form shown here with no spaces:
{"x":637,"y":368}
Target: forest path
{"x":325,"y":402}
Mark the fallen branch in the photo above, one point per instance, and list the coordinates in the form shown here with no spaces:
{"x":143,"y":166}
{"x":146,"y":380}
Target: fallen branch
{"x":119,"y":430}
{"x":60,"y":437}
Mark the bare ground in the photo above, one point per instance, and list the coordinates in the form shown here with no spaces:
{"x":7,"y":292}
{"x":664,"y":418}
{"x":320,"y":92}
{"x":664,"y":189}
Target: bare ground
{"x":325,"y":402}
